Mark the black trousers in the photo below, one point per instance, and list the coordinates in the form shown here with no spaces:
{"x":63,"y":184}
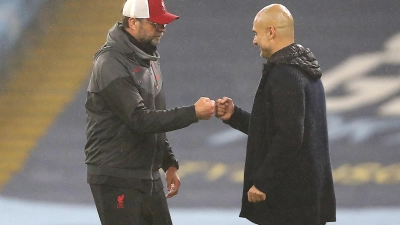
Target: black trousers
{"x":127,"y":206}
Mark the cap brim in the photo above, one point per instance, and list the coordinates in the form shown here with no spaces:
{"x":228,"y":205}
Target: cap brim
{"x":165,"y":18}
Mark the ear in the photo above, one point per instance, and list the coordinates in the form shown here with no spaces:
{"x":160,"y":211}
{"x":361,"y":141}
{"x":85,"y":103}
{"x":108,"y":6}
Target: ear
{"x":271,"y":31}
{"x":132,"y":23}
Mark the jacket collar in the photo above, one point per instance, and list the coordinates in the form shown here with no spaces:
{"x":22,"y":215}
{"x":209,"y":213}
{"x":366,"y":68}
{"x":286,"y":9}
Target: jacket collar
{"x":296,"y":55}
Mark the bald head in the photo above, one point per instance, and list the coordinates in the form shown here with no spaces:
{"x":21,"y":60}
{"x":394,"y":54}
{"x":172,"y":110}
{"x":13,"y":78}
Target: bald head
{"x":274,"y":29}
{"x":277,"y":16}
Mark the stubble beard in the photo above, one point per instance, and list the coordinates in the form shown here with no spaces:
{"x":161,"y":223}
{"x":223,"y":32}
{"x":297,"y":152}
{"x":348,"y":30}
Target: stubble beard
{"x":148,"y":40}
{"x":155,"y":41}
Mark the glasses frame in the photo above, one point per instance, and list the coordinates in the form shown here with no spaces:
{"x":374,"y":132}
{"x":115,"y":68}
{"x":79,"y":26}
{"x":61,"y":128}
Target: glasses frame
{"x":158,"y":26}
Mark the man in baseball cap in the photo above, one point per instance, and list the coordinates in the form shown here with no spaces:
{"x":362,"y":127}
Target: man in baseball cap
{"x":127,"y":121}
{"x":153,"y":10}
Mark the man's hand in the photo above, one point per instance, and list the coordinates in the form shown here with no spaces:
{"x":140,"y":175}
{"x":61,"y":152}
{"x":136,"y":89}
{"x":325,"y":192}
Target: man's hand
{"x":204,"y":108}
{"x":224,"y":108}
{"x":173,"y":182}
{"x":255,"y":195}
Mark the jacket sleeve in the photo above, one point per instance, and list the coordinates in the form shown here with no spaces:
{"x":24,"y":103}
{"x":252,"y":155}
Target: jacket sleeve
{"x":169,"y":157}
{"x":119,"y":91}
{"x":288,"y":100}
{"x":239,"y":120}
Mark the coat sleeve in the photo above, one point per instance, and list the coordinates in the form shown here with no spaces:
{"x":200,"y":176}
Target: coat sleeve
{"x":288,"y":100}
{"x":169,"y":157}
{"x":119,"y":91}
{"x":239,"y":120}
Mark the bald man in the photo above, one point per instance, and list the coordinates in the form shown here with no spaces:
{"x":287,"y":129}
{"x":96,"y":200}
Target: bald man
{"x":287,"y":175}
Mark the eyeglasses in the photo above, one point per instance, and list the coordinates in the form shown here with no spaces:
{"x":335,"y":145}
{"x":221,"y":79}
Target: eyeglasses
{"x":157,"y":25}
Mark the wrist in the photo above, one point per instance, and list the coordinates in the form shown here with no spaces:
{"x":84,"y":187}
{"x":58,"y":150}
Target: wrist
{"x":172,"y":169}
{"x":196,"y":113}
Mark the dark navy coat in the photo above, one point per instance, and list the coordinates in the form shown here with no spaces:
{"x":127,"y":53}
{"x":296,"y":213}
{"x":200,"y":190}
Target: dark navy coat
{"x":287,"y":154}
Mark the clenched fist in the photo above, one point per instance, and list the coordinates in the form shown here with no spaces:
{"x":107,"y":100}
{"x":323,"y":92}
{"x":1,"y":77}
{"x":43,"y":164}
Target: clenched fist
{"x":255,"y":195}
{"x":204,"y":108}
{"x":224,"y":108}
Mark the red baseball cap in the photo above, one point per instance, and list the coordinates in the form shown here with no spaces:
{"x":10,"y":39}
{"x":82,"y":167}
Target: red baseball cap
{"x":153,"y":10}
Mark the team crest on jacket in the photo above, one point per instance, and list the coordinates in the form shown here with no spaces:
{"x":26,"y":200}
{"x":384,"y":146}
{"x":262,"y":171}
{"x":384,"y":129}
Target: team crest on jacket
{"x":120,"y":199}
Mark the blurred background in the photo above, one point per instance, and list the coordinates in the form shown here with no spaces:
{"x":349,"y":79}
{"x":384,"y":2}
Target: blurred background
{"x":46,"y":52}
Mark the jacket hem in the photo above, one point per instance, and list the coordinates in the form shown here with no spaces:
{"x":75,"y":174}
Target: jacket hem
{"x":122,"y":173}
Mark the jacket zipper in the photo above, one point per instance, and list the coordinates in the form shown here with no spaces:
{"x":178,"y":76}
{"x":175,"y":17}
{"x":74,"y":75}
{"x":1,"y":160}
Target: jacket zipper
{"x":152,"y":71}
{"x":155,"y":148}
{"x":151,"y":168}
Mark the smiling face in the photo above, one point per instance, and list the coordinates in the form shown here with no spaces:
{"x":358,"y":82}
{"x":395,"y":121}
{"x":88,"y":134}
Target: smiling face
{"x":273,"y":29}
{"x":263,"y":37}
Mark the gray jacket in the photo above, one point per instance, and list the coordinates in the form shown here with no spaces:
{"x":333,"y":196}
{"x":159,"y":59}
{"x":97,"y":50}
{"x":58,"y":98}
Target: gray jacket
{"x":126,"y":113}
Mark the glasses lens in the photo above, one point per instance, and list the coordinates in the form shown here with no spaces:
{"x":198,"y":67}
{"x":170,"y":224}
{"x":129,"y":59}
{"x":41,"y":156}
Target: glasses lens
{"x":157,"y":25}
{"x":160,"y":26}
